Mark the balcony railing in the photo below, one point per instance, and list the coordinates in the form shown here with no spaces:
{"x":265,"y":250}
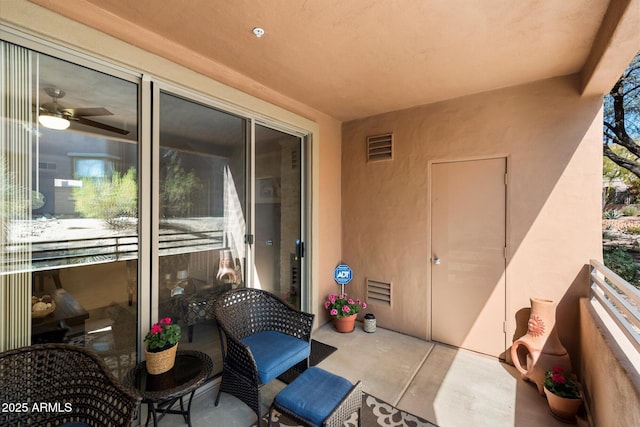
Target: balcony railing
{"x":49,"y":255}
{"x":620,"y":299}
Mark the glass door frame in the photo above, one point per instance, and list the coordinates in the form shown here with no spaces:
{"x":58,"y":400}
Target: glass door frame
{"x":305,"y":286}
{"x":156,"y":86}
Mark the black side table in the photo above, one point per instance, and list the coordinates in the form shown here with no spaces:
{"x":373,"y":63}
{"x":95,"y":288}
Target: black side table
{"x":161,"y":392}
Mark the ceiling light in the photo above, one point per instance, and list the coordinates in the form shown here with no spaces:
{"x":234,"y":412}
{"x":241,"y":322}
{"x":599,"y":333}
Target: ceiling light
{"x":53,"y":121}
{"x":258,"y":32}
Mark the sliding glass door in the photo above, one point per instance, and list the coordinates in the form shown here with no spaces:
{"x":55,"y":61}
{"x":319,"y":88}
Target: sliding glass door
{"x":279,"y":246}
{"x":126,"y":200}
{"x":70,"y":203}
{"x":200,"y":215}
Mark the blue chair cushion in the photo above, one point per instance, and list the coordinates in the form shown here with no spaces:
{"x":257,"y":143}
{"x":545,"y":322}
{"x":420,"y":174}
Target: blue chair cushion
{"x":276,"y":352}
{"x":314,"y":394}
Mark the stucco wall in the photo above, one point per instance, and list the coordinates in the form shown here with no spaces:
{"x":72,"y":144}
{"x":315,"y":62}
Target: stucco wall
{"x":610,"y":380}
{"x":552,"y":139}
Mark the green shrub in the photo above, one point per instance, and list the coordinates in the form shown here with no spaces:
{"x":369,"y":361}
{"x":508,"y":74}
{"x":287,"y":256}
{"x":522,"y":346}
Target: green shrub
{"x":621,"y":262}
{"x":630,"y":210}
{"x":109,"y":200}
{"x":633,"y":229}
{"x":611,"y":214}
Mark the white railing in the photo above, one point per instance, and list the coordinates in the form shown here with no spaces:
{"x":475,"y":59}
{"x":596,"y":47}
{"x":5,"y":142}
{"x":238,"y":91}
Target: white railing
{"x":620,"y":299}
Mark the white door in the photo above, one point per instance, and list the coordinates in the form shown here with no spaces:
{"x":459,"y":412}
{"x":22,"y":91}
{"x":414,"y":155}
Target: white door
{"x":468,"y":254}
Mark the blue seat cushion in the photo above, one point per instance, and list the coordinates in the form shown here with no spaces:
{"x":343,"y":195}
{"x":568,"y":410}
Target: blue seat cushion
{"x":276,"y":352}
{"x":314,"y":394}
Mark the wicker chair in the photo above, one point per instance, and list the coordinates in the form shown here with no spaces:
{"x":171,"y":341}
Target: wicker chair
{"x":262,"y":337}
{"x":62,"y":383}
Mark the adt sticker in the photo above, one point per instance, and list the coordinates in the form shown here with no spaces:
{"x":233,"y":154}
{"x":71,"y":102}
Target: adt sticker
{"x":342,"y":274}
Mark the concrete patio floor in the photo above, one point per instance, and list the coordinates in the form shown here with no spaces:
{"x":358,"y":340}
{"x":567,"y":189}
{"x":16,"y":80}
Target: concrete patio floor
{"x":447,"y":386}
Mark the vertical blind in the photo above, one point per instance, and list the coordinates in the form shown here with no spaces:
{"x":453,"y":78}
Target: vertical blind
{"x":16,"y":135}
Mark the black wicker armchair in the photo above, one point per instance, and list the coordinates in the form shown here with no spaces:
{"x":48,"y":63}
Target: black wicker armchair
{"x":53,"y":384}
{"x":262,"y":337}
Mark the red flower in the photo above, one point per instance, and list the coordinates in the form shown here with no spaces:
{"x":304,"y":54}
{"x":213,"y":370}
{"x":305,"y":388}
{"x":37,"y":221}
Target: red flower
{"x":156,"y":329}
{"x":558,"y":378}
{"x":558,"y":369}
{"x":165,"y":321}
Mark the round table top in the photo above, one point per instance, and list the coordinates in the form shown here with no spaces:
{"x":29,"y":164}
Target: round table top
{"x":190,"y":371}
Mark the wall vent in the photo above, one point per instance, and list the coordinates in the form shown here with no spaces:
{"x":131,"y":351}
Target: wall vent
{"x":378,"y":292}
{"x":380,"y":147}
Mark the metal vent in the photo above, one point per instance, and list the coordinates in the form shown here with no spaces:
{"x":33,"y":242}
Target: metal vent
{"x":378,"y":292}
{"x":380,"y":147}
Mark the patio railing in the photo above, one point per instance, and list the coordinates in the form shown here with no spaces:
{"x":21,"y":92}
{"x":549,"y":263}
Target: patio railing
{"x":620,"y":299}
{"x":51,"y":255}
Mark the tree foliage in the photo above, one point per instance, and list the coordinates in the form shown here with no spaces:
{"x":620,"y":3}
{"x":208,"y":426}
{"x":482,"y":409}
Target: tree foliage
{"x":112,"y":200}
{"x":179,"y":186}
{"x":621,"y":136}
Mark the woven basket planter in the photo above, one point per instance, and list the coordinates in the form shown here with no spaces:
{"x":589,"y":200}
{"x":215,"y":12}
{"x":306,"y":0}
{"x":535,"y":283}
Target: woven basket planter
{"x":161,"y":361}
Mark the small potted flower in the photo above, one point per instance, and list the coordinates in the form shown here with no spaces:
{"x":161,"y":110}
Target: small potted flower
{"x":162,"y":344}
{"x":344,"y":311}
{"x":562,"y":394}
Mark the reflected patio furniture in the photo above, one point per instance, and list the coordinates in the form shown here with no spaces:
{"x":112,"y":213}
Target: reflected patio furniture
{"x":196,"y":307}
{"x":262,"y":337}
{"x":72,"y":377}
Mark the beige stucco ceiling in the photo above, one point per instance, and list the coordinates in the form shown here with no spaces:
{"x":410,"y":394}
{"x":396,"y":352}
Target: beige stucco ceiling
{"x":357,"y":58}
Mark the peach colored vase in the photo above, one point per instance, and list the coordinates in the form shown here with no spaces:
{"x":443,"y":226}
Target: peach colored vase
{"x":545,"y":351}
{"x":345,"y":324}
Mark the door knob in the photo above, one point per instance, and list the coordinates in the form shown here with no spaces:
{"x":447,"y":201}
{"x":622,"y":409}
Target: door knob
{"x":436,"y":261}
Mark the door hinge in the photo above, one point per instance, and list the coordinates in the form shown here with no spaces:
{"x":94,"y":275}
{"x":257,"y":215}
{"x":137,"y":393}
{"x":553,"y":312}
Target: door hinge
{"x":248,"y":239}
{"x":505,"y":252}
{"x":506,"y":179}
{"x":504,"y":327}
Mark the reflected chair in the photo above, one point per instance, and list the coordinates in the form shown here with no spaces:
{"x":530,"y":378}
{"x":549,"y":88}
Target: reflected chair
{"x":261,"y":337}
{"x":68,"y":383}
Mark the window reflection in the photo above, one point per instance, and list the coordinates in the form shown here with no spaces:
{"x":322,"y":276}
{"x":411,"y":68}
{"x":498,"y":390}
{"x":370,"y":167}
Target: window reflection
{"x":83,"y":251}
{"x":202,"y":225}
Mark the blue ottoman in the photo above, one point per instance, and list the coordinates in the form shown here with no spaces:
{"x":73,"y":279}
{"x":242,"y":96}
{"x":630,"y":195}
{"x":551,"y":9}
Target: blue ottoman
{"x":319,"y":398}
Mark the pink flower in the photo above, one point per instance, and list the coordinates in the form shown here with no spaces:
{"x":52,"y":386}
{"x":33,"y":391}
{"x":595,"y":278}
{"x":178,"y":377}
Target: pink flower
{"x":346,"y":308}
{"x":166,"y":320}
{"x":327,"y":304}
{"x":332,"y":298}
{"x":155,"y":329}
{"x":333,"y":312}
{"x":350,"y":301}
{"x":364,"y":305}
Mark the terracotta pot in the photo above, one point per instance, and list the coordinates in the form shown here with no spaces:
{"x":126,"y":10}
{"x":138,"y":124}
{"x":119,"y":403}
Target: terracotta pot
{"x":161,"y":361}
{"x":346,"y":323}
{"x":545,"y":351}
{"x":563,"y":408}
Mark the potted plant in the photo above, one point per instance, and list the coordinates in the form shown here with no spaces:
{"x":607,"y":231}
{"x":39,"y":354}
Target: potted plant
{"x":563,"y":395}
{"x":162,"y":344}
{"x":344,"y":310}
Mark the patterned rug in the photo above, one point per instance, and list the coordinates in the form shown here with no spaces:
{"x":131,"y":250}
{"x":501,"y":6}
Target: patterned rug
{"x":375,"y":412}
